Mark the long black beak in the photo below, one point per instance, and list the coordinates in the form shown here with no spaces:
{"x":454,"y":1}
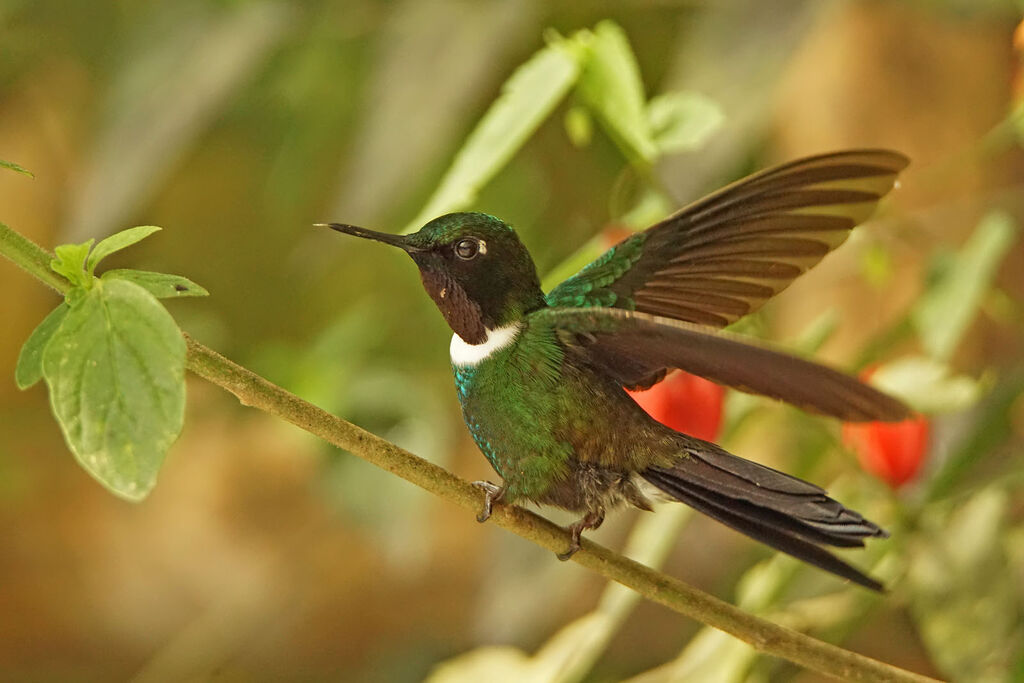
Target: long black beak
{"x":400,"y":241}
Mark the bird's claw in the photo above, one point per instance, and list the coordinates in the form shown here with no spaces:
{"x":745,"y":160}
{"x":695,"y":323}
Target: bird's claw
{"x":492,"y":494}
{"x":573,"y":547}
{"x":591,"y":520}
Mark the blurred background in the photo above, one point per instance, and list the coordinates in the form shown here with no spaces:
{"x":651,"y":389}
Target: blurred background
{"x":264,"y":554}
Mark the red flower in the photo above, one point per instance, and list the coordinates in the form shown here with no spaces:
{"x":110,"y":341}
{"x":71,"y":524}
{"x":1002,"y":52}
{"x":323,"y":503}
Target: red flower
{"x":686,"y":403}
{"x":892,"y":451}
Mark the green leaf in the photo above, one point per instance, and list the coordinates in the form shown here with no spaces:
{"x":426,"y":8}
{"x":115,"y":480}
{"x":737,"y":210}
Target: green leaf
{"x":982,"y":444}
{"x":946,"y":310}
{"x":927,"y":385}
{"x":876,"y":265}
{"x":683,"y":121}
{"x":526,"y":99}
{"x":819,"y":331}
{"x":963,"y":592}
{"x":16,"y":168}
{"x":579,"y":126}
{"x":160,"y":285}
{"x":30,"y":361}
{"x":611,"y":86}
{"x":496,"y":663}
{"x":117,"y":242}
{"x":70,"y":263}
{"x":116,"y":372}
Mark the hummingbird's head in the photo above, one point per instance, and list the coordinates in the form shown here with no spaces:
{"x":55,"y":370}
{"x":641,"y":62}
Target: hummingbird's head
{"x":473,"y":266}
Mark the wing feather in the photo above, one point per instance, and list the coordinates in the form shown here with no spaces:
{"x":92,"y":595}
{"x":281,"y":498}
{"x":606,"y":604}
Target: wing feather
{"x":764,"y":230}
{"x":625,"y":344}
{"x":724,"y":256}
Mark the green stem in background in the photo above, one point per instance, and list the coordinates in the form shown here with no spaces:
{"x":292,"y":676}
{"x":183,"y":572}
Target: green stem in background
{"x":253,"y":390}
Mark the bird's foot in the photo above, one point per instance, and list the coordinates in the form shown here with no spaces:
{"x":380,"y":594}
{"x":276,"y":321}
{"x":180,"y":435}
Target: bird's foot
{"x":591,"y":520}
{"x":492,"y":494}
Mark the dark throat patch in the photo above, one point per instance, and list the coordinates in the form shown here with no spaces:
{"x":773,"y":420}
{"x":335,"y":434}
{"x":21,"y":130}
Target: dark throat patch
{"x":462,"y":313}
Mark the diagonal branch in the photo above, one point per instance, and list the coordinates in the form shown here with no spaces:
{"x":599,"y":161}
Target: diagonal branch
{"x":253,"y":390}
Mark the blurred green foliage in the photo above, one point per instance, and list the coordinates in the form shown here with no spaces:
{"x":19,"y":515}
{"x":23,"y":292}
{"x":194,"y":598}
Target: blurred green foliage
{"x":236,"y":125}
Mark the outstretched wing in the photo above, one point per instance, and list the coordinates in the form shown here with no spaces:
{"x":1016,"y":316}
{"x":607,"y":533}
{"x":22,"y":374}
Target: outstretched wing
{"x":722,"y":257}
{"x":611,"y":339}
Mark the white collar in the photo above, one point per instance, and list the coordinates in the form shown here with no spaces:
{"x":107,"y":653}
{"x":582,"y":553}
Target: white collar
{"x":468,"y":355}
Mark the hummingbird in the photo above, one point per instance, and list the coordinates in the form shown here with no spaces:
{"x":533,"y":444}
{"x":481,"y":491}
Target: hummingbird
{"x":542,"y":378}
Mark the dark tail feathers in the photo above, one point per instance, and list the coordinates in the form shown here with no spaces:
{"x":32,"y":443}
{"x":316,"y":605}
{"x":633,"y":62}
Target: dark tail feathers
{"x":781,"y":511}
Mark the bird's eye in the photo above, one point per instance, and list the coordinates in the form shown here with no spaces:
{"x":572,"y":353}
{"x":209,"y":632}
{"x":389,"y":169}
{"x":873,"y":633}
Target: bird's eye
{"x":467,"y":249}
